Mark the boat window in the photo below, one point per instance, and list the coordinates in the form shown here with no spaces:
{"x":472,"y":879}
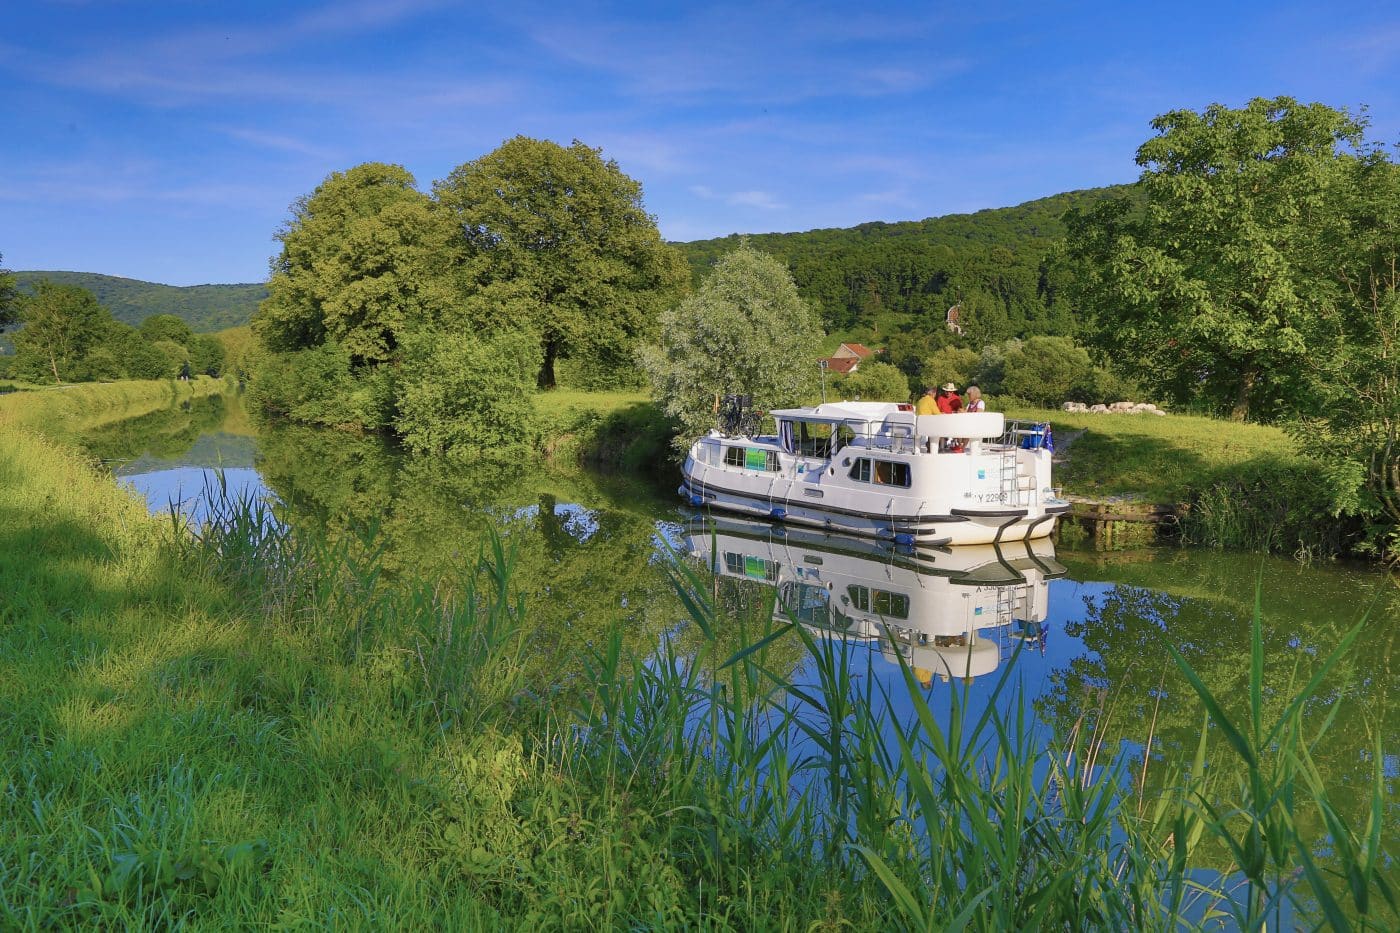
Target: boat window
{"x":860,"y":597}
{"x":755,"y":568}
{"x":813,"y":438}
{"x":807,"y":602}
{"x":751,"y":458}
{"x":888,"y":473}
{"x":892,"y":605}
{"x":882,"y":472}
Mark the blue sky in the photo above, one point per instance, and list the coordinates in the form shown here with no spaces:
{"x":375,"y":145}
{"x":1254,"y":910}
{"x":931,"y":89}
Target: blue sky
{"x":165,"y":141}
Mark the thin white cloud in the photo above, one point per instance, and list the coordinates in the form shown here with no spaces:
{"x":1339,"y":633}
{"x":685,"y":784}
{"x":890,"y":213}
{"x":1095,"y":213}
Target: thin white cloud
{"x":762,"y":200}
{"x":278,"y":142}
{"x":813,"y":59}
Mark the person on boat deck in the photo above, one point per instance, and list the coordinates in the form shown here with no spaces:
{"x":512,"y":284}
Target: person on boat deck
{"x":948,"y":400}
{"x":974,"y":400}
{"x":927,"y":404}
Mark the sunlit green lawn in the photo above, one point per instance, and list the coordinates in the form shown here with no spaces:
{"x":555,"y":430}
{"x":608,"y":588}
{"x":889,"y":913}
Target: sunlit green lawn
{"x":1160,"y":459}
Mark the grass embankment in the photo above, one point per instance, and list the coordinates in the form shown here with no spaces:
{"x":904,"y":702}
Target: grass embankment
{"x":1242,"y":485}
{"x":624,"y":430}
{"x":63,"y":411}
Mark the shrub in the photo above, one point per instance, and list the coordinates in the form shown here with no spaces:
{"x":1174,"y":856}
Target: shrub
{"x":1045,"y":369}
{"x":468,"y":395}
{"x":875,"y":382}
{"x":959,"y":365}
{"x":1103,"y":385}
{"x":318,"y":386}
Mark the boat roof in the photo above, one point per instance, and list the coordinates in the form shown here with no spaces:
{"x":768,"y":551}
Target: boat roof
{"x":841,"y":411}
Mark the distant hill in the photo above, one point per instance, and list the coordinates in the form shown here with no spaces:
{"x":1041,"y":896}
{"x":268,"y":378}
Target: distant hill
{"x":206,"y":308}
{"x":869,"y":280}
{"x":876,"y":278}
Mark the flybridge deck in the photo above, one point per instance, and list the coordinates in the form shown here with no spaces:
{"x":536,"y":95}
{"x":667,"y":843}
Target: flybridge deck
{"x":878,"y":469}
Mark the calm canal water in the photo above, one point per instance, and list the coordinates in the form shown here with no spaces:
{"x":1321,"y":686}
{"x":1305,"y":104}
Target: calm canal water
{"x":1080,"y":631}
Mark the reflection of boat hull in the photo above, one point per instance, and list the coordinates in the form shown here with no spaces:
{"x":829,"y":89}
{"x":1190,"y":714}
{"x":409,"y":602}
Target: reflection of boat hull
{"x":948,"y":611}
{"x":982,"y":565}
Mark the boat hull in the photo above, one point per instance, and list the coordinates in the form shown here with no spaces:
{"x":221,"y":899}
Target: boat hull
{"x":954,"y":528}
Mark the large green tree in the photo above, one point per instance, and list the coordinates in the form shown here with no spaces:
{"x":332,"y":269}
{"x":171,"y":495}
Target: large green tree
{"x":365,"y":259}
{"x":745,"y":331}
{"x":166,"y":327}
{"x":1213,"y":289}
{"x":61,"y":324}
{"x":1357,"y":382}
{"x":565,"y":229}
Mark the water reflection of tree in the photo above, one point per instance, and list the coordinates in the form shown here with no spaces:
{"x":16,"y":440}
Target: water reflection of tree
{"x":1125,"y":684}
{"x":584,"y":549}
{"x":166,"y":434}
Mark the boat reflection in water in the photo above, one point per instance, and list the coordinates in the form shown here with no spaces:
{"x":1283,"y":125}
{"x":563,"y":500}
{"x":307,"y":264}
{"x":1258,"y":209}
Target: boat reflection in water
{"x":951,"y":612}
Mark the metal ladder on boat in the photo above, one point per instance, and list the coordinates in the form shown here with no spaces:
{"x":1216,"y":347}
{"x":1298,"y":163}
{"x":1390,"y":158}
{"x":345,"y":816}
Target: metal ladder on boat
{"x":1010,"y":479}
{"x":1017,"y":488}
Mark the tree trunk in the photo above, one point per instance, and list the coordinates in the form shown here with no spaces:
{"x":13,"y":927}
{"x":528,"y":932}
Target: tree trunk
{"x":1241,"y":410}
{"x":53,"y":364}
{"x":546,"y":380}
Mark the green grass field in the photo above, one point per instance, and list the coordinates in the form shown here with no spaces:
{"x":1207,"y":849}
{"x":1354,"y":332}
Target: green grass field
{"x":1160,"y":459}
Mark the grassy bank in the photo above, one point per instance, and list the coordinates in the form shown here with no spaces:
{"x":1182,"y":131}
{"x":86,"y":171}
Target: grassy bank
{"x":235,"y":727}
{"x":1242,"y":485}
{"x":622,"y":430}
{"x":63,"y":411}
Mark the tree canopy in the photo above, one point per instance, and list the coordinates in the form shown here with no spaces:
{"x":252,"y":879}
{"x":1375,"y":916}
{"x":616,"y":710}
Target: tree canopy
{"x":1217,"y":287}
{"x":166,"y":327}
{"x":9,"y":298}
{"x":567,"y":230}
{"x":745,"y":330}
{"x":61,"y":324}
{"x":365,"y":258}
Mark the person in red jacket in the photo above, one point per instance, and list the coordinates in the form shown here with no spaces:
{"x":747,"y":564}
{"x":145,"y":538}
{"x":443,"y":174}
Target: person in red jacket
{"x":948,"y":399}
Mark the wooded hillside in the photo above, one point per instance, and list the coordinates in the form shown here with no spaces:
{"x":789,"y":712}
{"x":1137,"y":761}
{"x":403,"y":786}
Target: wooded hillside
{"x":206,"y":308}
{"x":877,"y":278}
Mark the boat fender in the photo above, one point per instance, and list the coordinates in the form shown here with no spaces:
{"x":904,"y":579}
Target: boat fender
{"x":904,"y":538}
{"x":778,"y":514}
{"x":697,"y":501}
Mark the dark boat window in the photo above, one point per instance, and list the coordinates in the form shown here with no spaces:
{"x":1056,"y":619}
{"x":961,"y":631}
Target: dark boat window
{"x":882,"y":472}
{"x":888,"y":473}
{"x":891,"y":605}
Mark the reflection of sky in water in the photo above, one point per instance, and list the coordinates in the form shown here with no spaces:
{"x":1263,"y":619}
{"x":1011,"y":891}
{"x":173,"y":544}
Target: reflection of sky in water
{"x":186,"y":488}
{"x":1030,"y":663}
{"x":578,"y":522}
{"x":1027,"y":665}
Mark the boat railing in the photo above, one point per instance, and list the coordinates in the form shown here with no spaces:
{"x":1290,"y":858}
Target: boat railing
{"x":1027,"y":435}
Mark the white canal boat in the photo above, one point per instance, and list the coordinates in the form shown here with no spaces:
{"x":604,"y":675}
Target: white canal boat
{"x":951,"y":612}
{"x":878,"y":469}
